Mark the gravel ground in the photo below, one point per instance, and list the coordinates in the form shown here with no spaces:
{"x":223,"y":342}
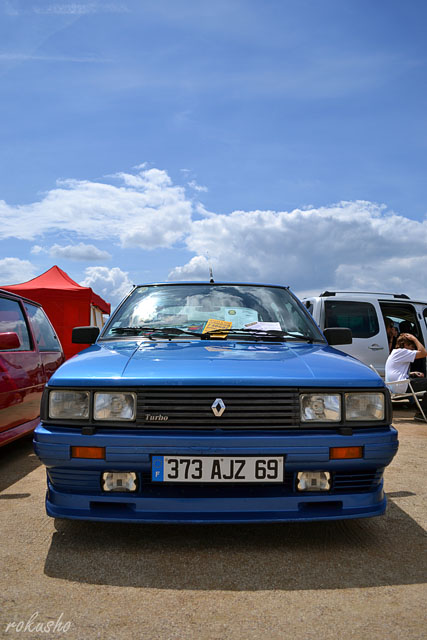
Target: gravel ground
{"x":350,"y":579}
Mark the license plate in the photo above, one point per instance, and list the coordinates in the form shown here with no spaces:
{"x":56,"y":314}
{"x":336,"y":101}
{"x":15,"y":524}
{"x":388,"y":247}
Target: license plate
{"x":216,"y":469}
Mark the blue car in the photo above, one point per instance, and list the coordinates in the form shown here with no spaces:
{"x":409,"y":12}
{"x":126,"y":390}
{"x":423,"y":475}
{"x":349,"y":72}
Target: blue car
{"x":214,"y":402}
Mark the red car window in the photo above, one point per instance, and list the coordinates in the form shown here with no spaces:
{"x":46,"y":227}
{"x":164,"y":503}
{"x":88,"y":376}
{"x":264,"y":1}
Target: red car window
{"x":12,"y":319}
{"x":43,"y":331}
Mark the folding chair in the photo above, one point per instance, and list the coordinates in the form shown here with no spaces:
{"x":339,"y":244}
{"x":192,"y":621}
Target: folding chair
{"x":401,"y":397}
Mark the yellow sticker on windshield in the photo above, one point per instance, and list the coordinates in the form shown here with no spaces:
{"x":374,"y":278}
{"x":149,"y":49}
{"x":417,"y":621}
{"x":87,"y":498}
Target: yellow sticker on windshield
{"x":214,"y":325}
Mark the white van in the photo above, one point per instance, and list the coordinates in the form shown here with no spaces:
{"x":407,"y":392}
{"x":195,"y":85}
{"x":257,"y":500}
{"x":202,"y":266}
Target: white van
{"x":365,"y":314}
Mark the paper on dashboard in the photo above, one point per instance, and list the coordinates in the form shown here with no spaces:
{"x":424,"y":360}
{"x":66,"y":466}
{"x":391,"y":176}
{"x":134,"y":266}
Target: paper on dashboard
{"x":213,"y":325}
{"x":264,"y":326}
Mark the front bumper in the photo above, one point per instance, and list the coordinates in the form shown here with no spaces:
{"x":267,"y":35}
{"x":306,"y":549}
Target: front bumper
{"x":74,"y":489}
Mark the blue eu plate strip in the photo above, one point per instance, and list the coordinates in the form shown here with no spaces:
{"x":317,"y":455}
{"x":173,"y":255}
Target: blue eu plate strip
{"x":157,"y":468}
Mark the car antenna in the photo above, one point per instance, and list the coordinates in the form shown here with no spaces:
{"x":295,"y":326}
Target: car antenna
{"x":211,"y":279}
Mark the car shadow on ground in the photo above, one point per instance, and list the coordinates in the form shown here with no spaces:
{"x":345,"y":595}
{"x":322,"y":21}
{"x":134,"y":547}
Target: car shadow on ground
{"x":17,"y":459}
{"x":346,"y":554}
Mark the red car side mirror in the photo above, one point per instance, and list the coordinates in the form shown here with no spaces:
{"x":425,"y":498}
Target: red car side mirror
{"x":9,"y":341}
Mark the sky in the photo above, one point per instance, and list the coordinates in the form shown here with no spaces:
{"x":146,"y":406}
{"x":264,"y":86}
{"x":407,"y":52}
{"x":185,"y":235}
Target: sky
{"x":279,"y":141}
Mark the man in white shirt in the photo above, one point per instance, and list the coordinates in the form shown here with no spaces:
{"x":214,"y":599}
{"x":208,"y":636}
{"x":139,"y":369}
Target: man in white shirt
{"x":408,"y":348}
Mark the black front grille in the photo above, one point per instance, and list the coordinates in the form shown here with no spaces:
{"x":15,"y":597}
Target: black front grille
{"x":357,"y":482}
{"x":189,"y":407}
{"x":75,"y":480}
{"x":89,"y":481}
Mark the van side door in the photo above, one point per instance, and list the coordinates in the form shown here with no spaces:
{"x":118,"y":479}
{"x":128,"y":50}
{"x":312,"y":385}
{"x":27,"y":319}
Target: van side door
{"x":364,"y":318}
{"x":407,"y":318}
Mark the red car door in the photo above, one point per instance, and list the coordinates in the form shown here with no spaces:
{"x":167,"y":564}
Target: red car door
{"x":21,"y":373}
{"x":46,"y":339}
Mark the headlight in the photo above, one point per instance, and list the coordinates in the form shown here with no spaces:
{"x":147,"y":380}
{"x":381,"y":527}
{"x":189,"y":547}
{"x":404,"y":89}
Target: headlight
{"x":64,"y":405}
{"x":114,"y":406}
{"x":364,"y":406}
{"x":320,"y":407}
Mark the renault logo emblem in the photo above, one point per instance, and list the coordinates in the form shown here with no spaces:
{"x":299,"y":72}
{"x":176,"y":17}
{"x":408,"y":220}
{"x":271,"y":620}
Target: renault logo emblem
{"x":218,"y":407}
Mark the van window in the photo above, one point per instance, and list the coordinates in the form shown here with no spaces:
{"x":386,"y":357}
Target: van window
{"x":12,"y":319}
{"x":404,"y":318}
{"x":360,"y":317}
{"x":43,"y":332}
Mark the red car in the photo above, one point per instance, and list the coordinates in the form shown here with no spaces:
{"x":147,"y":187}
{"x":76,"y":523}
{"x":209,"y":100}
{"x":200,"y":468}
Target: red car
{"x":29,"y":353}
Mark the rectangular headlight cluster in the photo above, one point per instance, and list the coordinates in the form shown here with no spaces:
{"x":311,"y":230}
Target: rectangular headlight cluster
{"x":69,"y":405}
{"x":320,"y":407}
{"x":352,"y":407}
{"x":114,"y":406}
{"x":364,"y":406}
{"x":107,"y":406}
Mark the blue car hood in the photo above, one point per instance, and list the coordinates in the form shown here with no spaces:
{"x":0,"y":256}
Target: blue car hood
{"x":132,"y":362}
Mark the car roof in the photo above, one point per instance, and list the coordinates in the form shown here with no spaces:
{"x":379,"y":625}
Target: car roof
{"x":376,"y":295}
{"x":16,"y":296}
{"x":217,"y":282}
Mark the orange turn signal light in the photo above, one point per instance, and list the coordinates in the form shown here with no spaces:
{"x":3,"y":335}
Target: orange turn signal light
{"x":345,"y":453}
{"x":97,"y":453}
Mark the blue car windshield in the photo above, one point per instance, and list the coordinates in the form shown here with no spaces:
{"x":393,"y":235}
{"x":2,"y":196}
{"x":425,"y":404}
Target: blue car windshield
{"x":212,"y":310}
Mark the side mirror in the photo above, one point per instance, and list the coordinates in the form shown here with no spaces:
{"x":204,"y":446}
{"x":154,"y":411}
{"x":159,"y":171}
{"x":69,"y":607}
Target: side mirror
{"x":9,"y":340}
{"x":338,"y":335}
{"x":84,"y":335}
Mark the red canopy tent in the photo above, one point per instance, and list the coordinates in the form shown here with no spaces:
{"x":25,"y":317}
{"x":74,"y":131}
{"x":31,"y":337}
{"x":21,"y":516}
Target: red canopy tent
{"x":66,"y":303}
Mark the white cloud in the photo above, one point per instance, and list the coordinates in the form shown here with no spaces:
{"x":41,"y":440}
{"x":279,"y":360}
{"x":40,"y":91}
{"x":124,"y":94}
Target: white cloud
{"x":350,"y":245}
{"x":79,"y":8}
{"x":394,"y":274}
{"x":80,"y":251}
{"x":15,"y":271}
{"x":356,"y":245}
{"x":196,"y":269}
{"x":45,"y":7}
{"x":25,"y":57}
{"x":37,"y":249}
{"x":197,"y":187}
{"x":146,"y":211}
{"x":111,"y":284}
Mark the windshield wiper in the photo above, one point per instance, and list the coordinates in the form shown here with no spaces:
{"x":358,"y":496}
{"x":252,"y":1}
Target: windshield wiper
{"x":170,"y":332}
{"x":164,"y":331}
{"x":257,"y":334}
